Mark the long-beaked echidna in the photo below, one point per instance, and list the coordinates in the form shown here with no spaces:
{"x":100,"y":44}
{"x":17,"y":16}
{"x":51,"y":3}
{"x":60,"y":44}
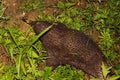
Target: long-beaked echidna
{"x":69,"y":46}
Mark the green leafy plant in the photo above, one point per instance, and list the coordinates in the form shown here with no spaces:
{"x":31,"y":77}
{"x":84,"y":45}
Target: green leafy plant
{"x":117,"y":71}
{"x":21,"y":49}
{"x":107,"y":43}
{"x":106,"y":39}
{"x":31,"y":5}
{"x":106,"y":71}
{"x":61,"y":73}
{"x":107,"y":22}
{"x":8,"y":73}
{"x":70,"y":15}
{"x":2,"y":10}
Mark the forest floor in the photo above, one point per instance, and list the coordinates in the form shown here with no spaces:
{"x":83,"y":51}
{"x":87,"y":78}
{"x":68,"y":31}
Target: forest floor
{"x":15,"y":14}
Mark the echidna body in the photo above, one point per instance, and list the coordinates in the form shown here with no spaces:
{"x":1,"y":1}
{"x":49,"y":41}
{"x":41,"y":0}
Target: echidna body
{"x":69,"y":46}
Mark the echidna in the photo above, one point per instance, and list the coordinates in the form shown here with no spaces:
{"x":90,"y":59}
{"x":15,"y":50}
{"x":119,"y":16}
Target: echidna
{"x":69,"y":46}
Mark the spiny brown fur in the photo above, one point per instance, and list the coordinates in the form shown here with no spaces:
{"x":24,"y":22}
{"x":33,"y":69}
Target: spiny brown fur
{"x":69,"y":46}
